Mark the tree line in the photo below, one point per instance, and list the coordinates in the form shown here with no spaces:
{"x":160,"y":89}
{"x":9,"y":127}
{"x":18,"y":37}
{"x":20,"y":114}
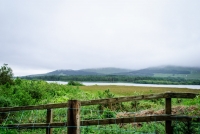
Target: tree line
{"x":119,"y":78}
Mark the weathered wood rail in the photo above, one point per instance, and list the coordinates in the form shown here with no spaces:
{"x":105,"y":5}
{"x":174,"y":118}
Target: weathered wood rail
{"x":73,"y":115}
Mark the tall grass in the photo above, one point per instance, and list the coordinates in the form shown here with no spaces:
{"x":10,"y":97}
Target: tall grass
{"x":134,"y":90}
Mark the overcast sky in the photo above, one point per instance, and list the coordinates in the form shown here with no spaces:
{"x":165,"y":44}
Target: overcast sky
{"x":37,"y":36}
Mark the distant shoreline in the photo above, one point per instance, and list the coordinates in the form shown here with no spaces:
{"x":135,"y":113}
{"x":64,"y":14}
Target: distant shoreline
{"x":130,"y":84}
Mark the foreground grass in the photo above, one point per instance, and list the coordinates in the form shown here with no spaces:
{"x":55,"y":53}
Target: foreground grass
{"x":134,"y":90}
{"x":26,"y":92}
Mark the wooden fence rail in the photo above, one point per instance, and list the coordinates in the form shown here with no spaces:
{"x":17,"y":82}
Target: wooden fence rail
{"x":150,"y":118}
{"x":102,"y":101}
{"x":73,"y":115}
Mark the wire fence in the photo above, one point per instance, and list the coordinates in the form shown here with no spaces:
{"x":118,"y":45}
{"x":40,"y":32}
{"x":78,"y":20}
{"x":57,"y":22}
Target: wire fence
{"x":33,"y":117}
{"x":103,"y":116}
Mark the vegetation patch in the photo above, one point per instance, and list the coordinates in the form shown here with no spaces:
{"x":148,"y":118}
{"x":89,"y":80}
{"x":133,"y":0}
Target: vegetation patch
{"x":23,"y":92}
{"x":134,"y":90}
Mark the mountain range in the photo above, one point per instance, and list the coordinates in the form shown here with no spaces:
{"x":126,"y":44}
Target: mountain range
{"x":161,"y":71}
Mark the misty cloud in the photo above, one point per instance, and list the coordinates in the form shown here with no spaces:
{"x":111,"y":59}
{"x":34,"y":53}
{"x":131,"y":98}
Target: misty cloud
{"x":46,"y":35}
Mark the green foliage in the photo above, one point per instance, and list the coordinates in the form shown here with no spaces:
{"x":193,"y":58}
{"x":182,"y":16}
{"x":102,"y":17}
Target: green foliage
{"x":74,"y":83}
{"x":187,"y":127}
{"x":196,"y":105}
{"x":146,"y":105}
{"x":106,"y":94}
{"x":153,"y":128}
{"x":120,"y":78}
{"x":18,"y":81}
{"x":107,"y":113}
{"x":6,"y":75}
{"x":33,"y":92}
{"x":5,"y":102}
{"x":194,"y":101}
{"x":8,"y":131}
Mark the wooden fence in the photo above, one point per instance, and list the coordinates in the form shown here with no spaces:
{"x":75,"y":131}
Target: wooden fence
{"x":74,"y":106}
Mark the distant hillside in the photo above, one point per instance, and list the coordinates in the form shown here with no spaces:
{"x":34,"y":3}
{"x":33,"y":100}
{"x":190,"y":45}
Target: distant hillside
{"x":109,"y":70}
{"x":167,"y":71}
{"x":95,"y":71}
{"x":164,"y":71}
{"x":71,"y":72}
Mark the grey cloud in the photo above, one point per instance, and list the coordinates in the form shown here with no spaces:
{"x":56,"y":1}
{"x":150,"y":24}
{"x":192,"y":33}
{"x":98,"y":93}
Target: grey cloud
{"x":48,"y":35}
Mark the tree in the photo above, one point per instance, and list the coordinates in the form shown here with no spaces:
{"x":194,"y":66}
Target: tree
{"x":6,"y":75}
{"x":74,"y":83}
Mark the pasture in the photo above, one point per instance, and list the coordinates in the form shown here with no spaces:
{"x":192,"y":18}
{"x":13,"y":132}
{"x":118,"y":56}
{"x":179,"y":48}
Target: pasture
{"x":134,"y":90}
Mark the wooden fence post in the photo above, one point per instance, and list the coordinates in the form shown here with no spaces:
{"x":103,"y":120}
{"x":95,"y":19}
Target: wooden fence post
{"x":73,"y":117}
{"x":168,"y":109}
{"x":49,"y":120}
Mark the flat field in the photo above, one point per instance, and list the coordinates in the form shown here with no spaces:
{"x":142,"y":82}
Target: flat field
{"x":133,"y":90}
{"x":193,"y":75}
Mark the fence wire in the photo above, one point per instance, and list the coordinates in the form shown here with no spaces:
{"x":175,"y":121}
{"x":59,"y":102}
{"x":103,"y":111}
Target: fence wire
{"x":60,"y":115}
{"x":125,"y":128}
{"x":95,"y":113}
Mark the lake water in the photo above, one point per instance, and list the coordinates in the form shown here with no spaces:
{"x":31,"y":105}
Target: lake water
{"x":131,"y":84}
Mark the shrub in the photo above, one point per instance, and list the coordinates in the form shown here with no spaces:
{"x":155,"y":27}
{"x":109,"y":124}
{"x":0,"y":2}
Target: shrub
{"x":5,"y":102}
{"x":74,"y":83}
{"x":187,"y":127}
{"x":107,"y":113}
{"x":6,"y":75}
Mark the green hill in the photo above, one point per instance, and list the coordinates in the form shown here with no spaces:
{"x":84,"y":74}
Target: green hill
{"x":108,"y":70}
{"x":168,"y":71}
{"x":162,"y":71}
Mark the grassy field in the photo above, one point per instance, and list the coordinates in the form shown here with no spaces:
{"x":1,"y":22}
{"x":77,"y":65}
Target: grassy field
{"x":193,"y":75}
{"x":134,"y":90}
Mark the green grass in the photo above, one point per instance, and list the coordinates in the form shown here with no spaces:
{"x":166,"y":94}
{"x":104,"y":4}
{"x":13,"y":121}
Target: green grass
{"x":134,"y":90}
{"x":22,"y":94}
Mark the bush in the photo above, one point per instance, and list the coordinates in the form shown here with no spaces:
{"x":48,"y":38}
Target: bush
{"x":5,"y":102}
{"x":187,"y":127}
{"x":107,"y":113}
{"x":74,"y":83}
{"x":6,"y":75}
